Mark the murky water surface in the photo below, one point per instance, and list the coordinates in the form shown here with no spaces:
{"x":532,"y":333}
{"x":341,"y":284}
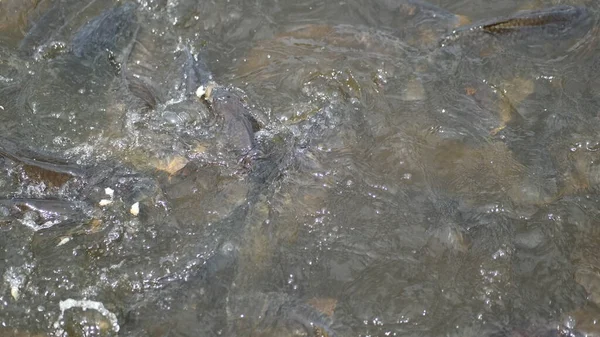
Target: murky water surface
{"x":299,"y":168}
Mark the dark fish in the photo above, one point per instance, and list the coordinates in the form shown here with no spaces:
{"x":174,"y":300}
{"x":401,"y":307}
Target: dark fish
{"x":112,"y":31}
{"x":195,"y":72}
{"x":559,"y":22}
{"x":420,"y":12}
{"x":82,"y":76}
{"x":144,"y":91}
{"x":50,"y":212}
{"x":48,"y":206}
{"x":191,"y":73}
{"x":540,"y":332}
{"x":238,"y":124}
{"x":275,"y":314}
{"x":42,"y":30}
{"x":204,"y":289}
{"x":37,"y":162}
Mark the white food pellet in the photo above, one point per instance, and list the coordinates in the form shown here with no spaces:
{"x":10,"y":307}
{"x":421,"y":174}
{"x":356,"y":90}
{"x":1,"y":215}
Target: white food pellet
{"x":109,"y":191}
{"x":135,"y":209}
{"x":105,"y":202}
{"x":200,"y":91}
{"x":14,"y":291}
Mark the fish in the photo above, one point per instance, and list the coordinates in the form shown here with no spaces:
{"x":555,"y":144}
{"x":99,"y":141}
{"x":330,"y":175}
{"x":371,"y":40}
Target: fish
{"x":109,"y":32}
{"x":83,"y":75}
{"x":195,"y":91}
{"x":47,"y":206}
{"x":196,"y":72}
{"x":238,"y":124}
{"x":42,"y":30}
{"x":41,"y":163}
{"x":277,"y":314}
{"x":558,"y":22}
{"x":113,"y":31}
{"x":190,"y":69}
{"x":65,"y":214}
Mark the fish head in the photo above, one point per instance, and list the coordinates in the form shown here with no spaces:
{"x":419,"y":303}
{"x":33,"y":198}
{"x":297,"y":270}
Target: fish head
{"x":237,"y":123}
{"x":113,"y":32}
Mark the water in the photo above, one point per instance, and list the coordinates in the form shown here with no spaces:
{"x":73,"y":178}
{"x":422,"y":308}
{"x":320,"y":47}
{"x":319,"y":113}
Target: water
{"x":354,"y":176}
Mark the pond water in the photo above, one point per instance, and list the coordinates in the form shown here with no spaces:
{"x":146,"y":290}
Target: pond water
{"x":299,"y":168}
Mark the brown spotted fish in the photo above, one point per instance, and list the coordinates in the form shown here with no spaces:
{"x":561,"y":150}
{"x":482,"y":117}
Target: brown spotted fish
{"x":559,"y":22}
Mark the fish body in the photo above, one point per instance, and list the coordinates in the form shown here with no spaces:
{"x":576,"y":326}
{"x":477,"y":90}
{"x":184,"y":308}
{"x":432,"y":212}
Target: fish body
{"x":10,"y":149}
{"x":73,"y":82}
{"x":559,"y":22}
{"x":237,"y":121}
{"x":275,"y":314}
{"x":112,"y":31}
{"x":195,"y":72}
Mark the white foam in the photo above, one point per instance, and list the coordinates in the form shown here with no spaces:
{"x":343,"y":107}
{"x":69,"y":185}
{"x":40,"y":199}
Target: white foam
{"x":86,"y":305}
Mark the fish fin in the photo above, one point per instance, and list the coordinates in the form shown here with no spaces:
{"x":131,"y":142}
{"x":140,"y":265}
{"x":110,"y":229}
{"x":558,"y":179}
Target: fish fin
{"x":144,"y":91}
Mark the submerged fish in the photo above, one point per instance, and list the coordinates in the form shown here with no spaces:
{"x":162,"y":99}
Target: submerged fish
{"x":559,"y":22}
{"x":74,"y":84}
{"x":275,"y":314}
{"x":238,"y":123}
{"x":111,"y":31}
{"x":10,"y":149}
{"x":75,"y":27}
{"x":187,"y":72}
{"x":184,"y":89}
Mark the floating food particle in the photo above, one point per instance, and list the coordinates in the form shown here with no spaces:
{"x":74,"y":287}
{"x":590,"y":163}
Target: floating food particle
{"x":200,"y":91}
{"x":63,"y":241}
{"x":105,"y":202}
{"x":15,"y":293}
{"x":135,"y":209}
{"x":208,"y":91}
{"x":109,"y":191}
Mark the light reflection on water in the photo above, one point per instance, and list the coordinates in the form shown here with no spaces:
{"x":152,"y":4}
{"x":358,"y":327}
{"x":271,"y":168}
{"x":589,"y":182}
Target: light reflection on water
{"x":396,"y":188}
